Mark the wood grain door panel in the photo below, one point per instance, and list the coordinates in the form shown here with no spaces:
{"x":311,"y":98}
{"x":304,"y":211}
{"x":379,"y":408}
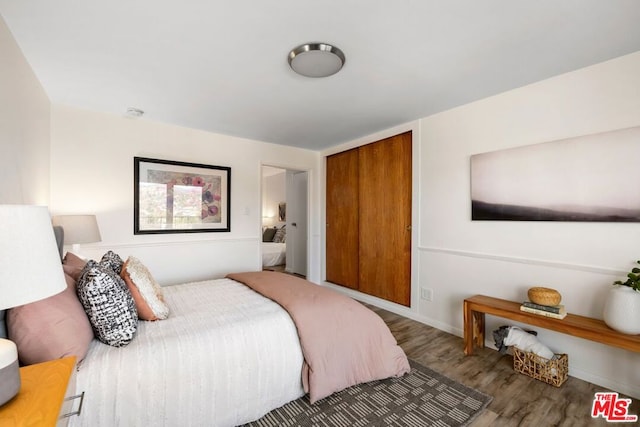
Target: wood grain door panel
{"x":385,"y":219}
{"x":342,"y":219}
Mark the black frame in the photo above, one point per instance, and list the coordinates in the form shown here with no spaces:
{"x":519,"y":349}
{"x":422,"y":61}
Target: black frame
{"x":140,"y":164}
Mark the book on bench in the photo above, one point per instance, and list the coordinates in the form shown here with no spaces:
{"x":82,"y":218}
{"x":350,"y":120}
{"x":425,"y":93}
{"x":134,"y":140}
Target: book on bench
{"x":546,"y":313}
{"x":558,"y":309}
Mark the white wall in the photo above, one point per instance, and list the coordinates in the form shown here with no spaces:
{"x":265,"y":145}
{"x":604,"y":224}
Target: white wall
{"x":457,"y":257}
{"x":24,"y":128}
{"x":273,"y":193}
{"x":92,"y":172}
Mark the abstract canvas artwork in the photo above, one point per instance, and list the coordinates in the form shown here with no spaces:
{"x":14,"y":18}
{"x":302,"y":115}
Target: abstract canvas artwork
{"x":587,"y":178}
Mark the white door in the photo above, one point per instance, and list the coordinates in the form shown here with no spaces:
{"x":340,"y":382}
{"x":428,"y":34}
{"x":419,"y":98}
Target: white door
{"x":297,"y":222}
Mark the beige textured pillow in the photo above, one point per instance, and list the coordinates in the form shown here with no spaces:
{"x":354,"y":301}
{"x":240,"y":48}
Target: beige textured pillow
{"x":146,"y":292}
{"x":51,"y":328}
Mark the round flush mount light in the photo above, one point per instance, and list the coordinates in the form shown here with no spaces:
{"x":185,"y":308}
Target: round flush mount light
{"x":316,"y":59}
{"x":134,"y":112}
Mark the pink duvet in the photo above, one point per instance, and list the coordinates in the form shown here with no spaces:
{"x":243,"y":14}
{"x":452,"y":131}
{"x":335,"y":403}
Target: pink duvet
{"x":343,"y":342}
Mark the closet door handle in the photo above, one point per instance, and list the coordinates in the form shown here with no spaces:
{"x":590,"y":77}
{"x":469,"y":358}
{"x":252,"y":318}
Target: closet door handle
{"x":408,"y":228}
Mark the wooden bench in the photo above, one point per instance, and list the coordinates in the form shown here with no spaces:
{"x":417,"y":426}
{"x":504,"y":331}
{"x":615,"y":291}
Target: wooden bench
{"x":596,"y":330}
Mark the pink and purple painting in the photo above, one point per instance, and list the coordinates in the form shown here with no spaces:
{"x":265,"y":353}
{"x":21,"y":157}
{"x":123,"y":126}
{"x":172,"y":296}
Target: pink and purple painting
{"x":180,"y":197}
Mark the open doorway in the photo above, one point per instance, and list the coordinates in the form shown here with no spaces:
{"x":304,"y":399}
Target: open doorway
{"x":284,"y":220}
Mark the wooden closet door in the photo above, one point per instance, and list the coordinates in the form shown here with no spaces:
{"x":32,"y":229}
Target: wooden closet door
{"x":342,"y":219}
{"x":385,"y":218}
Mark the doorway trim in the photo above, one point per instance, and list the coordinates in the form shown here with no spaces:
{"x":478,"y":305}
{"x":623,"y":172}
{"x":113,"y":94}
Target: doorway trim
{"x":288,"y":220}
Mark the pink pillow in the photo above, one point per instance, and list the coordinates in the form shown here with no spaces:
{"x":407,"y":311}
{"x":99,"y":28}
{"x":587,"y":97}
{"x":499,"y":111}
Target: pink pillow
{"x":146,"y":292}
{"x":73,"y":265}
{"x":51,"y":328}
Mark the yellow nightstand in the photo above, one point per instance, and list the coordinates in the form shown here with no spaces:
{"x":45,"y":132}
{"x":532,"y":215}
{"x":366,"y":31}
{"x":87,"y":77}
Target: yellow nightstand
{"x":41,"y":396}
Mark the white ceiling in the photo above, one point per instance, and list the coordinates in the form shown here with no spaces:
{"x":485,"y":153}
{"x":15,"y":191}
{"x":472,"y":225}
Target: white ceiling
{"x":221,"y":66}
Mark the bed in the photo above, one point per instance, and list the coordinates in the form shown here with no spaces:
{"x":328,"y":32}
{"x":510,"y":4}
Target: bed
{"x":273,"y":254}
{"x":229,"y":351}
{"x":274,"y":250}
{"x":246,"y":344}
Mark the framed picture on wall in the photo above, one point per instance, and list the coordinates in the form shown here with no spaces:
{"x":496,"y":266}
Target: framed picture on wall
{"x":282,"y":211}
{"x":180,"y":197}
{"x":585,"y":178}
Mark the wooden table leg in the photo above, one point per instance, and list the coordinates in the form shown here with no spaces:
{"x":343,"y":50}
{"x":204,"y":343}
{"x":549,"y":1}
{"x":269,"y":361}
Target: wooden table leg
{"x":473,"y":328}
{"x":478,"y":329}
{"x":468,"y":329}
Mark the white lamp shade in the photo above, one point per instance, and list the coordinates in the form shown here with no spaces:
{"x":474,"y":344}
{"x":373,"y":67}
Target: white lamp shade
{"x":78,"y":228}
{"x":30,"y":267}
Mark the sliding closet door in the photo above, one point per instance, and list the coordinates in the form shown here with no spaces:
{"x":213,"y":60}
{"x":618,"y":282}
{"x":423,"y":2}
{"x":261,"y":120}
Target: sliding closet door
{"x":385,"y":218}
{"x":342,"y":219}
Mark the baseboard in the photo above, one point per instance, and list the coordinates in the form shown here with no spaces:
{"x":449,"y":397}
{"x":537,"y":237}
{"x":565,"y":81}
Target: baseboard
{"x":395,"y":308}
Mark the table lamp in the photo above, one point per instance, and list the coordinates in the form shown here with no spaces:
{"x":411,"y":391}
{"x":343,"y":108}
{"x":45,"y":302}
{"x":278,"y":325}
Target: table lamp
{"x":30,"y":270}
{"x":78,"y":229}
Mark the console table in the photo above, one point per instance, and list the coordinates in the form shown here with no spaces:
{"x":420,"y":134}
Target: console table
{"x":596,"y":330}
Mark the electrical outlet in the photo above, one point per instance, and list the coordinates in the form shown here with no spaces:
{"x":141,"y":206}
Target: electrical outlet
{"x":426,"y":294}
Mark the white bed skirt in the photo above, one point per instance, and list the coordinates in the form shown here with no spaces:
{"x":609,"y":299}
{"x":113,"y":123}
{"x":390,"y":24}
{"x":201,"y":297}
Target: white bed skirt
{"x":224,"y":357}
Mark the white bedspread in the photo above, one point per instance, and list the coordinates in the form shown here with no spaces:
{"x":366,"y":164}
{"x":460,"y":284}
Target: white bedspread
{"x":273,"y":254}
{"x":225,"y":356}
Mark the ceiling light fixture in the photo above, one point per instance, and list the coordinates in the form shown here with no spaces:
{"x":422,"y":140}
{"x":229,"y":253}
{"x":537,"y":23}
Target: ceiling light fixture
{"x":134,"y":112}
{"x":316,"y":59}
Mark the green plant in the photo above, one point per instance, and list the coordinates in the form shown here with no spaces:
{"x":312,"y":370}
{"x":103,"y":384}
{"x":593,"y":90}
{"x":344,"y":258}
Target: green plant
{"x":633,"y":279}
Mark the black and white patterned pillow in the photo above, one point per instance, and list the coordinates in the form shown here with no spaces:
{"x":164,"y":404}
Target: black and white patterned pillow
{"x":108,"y":304}
{"x":113,"y":261}
{"x":281,"y":235}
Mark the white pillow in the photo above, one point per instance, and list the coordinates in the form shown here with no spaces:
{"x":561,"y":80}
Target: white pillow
{"x":146,"y":292}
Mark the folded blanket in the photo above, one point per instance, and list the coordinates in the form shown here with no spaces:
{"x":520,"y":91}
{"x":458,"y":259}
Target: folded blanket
{"x":343,"y":342}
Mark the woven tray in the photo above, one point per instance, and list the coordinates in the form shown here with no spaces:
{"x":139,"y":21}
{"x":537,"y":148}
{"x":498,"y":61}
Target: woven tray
{"x":554,"y":372}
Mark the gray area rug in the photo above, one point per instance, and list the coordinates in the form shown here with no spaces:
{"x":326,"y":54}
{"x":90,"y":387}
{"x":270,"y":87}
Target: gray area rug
{"x":421,"y":398}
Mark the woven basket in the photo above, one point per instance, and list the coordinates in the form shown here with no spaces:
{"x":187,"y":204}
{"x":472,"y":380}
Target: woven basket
{"x":544,"y":296}
{"x":550,"y":371}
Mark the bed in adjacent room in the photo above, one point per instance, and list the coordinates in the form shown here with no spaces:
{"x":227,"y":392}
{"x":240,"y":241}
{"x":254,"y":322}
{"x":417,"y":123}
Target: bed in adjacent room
{"x":274,"y":249}
{"x":274,"y":254}
{"x":221,"y":352}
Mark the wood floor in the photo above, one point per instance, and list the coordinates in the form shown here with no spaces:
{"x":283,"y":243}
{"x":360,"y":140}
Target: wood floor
{"x":281,"y":269}
{"x":278,"y":268}
{"x":518,"y":400}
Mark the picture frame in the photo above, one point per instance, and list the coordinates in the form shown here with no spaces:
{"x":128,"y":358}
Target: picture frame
{"x":282,"y":211}
{"x":579,"y":179}
{"x":180,"y":197}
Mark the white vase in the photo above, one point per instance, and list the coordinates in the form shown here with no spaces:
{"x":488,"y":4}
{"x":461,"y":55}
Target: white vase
{"x":622,"y":310}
